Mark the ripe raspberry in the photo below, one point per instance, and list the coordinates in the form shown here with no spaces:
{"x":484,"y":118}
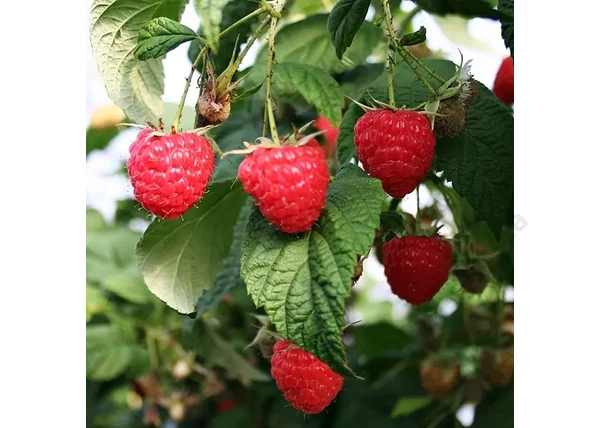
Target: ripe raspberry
{"x":417,"y":267}
{"x":439,"y":379}
{"x":472,"y":280}
{"x":498,"y":366}
{"x":395,"y":147}
{"x":330,"y":133}
{"x":453,"y":118}
{"x":307,"y":383}
{"x":504,"y":84}
{"x":169,"y":172}
{"x":288,"y":183}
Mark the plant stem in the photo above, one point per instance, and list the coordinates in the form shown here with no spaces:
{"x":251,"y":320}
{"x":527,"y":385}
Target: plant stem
{"x":410,"y":61}
{"x":241,"y":21}
{"x":394,"y":204}
{"x":389,"y":63}
{"x":203,"y":52}
{"x":188,"y":80}
{"x":228,"y":74}
{"x":269,"y":100}
{"x":425,"y":68}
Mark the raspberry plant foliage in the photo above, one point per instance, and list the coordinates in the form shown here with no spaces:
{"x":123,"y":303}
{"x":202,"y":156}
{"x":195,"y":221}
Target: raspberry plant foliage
{"x":312,"y":61}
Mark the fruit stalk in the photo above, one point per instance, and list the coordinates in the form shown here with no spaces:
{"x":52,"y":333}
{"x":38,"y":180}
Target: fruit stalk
{"x":389,"y":63}
{"x":269,"y":96}
{"x":222,"y":34}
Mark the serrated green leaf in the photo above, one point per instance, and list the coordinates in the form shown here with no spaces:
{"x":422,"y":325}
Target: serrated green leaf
{"x":108,"y":352}
{"x":508,"y":27}
{"x":316,"y":86}
{"x":479,"y":161}
{"x":392,"y":222}
{"x":407,"y":91}
{"x":344,"y":21}
{"x":210,"y":12}
{"x":160,"y":36}
{"x":129,"y":285}
{"x":180,"y":259}
{"x":136,"y":87}
{"x":316,"y":48}
{"x":303,"y":280}
{"x":230,"y":275}
{"x":407,"y":405}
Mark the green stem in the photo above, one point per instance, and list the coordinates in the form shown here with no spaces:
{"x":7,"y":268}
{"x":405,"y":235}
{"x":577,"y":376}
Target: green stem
{"x":394,"y":204}
{"x":407,"y":20}
{"x":241,"y":21}
{"x":407,"y":57}
{"x":425,"y":68}
{"x":500,"y":313}
{"x":257,"y":12}
{"x":269,"y":100}
{"x":389,"y":63}
{"x":228,"y":74}
{"x":188,"y":80}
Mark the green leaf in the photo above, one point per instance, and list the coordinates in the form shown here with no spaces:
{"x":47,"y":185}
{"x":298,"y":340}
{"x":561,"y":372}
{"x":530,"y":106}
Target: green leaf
{"x":230,"y":275}
{"x":180,"y":259}
{"x":210,"y":16}
{"x":232,"y":12}
{"x":392,"y":223}
{"x":407,"y":405}
{"x":216,"y":350}
{"x":316,"y":86}
{"x":109,"y":251}
{"x":508,"y":27}
{"x":160,"y":36}
{"x":303,"y":280}
{"x":407,"y":91}
{"x":378,"y":340}
{"x":497,"y":410}
{"x":136,"y":87}
{"x":94,"y":221}
{"x":344,"y":21}
{"x":242,"y":125}
{"x":479,"y":161}
{"x":415,"y":38}
{"x":129,"y":285}
{"x":95,"y":302}
{"x":466,"y":8}
{"x":108,"y":352}
{"x":98,"y":139}
{"x":316,"y":48}
{"x":355,"y":81}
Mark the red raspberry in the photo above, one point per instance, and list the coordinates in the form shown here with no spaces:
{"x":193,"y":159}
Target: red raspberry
{"x":306,"y":382}
{"x":504,"y":84}
{"x":395,"y":147}
{"x":330,"y":133}
{"x":417,"y":267}
{"x":169,"y":172}
{"x":288,"y":183}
